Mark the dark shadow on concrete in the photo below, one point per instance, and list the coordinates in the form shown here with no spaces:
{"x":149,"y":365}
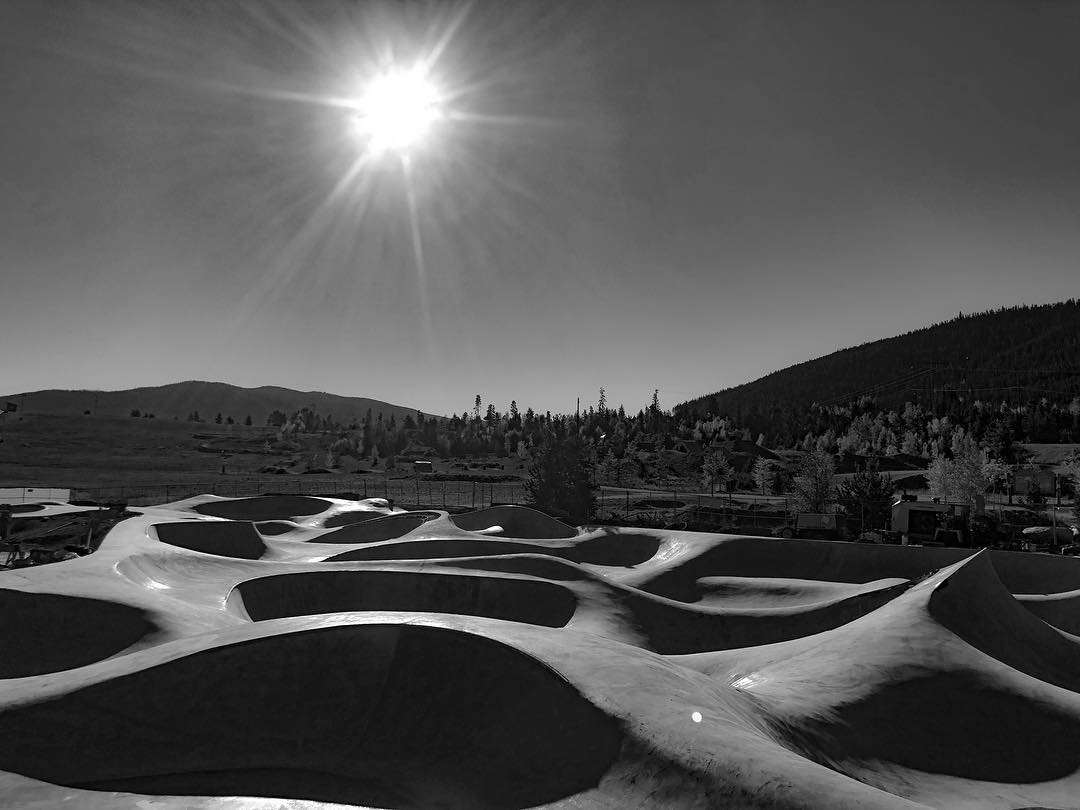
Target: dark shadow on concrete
{"x":266,"y":507}
{"x":310,"y":593}
{"x":44,"y":632}
{"x":238,"y":540}
{"x":396,"y":716}
{"x":387,"y":527}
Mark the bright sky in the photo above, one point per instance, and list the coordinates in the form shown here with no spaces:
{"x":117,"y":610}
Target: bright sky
{"x":682,"y":196}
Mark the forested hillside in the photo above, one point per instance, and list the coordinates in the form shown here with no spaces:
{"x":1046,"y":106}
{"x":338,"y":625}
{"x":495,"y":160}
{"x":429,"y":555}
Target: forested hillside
{"x":1024,"y":360}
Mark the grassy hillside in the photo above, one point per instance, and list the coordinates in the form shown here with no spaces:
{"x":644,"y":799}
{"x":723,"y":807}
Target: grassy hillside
{"x":1017,"y":353}
{"x":208,"y":398}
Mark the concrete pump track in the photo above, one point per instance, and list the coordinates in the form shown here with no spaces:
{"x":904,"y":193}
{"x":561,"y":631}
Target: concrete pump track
{"x":302,"y":653}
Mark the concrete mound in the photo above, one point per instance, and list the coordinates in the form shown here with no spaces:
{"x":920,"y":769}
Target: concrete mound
{"x":536,"y":565}
{"x":310,"y":593}
{"x":623,"y":550}
{"x":225,"y":539}
{"x":510,"y":661}
{"x":519,"y":522}
{"x":1062,"y":610}
{"x":266,"y":507}
{"x":348,"y":518}
{"x":45,"y":632}
{"x":437,"y":549}
{"x":382,"y":715}
{"x":759,"y":592}
{"x":973,"y":604}
{"x":820,"y":560}
{"x":673,"y":628}
{"x":386,"y":527}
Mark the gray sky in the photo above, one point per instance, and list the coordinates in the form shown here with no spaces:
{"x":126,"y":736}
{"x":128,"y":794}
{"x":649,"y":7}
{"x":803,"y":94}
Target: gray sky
{"x":682,"y":196}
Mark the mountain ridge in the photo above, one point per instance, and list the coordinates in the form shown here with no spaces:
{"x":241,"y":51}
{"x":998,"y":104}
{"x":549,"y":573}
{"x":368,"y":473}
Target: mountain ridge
{"x":1010,"y":353}
{"x":208,"y":398}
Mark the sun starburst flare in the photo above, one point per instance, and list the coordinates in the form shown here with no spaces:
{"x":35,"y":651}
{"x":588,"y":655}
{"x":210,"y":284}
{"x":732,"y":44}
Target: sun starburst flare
{"x":397,"y":110}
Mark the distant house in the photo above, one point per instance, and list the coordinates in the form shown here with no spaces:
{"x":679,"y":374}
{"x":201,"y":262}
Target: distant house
{"x":423,"y":467}
{"x":748,"y":448}
{"x":688,"y":446}
{"x":1034,"y":482}
{"x":417,"y":451}
{"x":908,"y":460}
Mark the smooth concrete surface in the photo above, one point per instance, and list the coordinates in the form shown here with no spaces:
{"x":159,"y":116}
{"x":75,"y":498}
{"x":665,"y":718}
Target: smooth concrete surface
{"x":307,"y":653}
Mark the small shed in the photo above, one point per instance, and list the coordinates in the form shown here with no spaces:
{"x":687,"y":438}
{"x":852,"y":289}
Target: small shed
{"x":423,"y":467}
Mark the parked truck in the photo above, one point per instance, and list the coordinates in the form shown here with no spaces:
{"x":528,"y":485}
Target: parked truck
{"x":930,"y":523}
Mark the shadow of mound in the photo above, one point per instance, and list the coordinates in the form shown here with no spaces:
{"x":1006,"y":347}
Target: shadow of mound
{"x":384,"y":715}
{"x":274,"y":527}
{"x":267,"y":507}
{"x":950,"y":723}
{"x":387,"y":527}
{"x":672,"y":628}
{"x":616,"y":550}
{"x":306,"y":594}
{"x":46,"y":632}
{"x":348,"y":518}
{"x":769,"y":558}
{"x":516,"y":521}
{"x":237,"y":540}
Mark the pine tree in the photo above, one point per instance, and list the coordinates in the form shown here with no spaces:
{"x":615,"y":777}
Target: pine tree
{"x":764,"y":475}
{"x":716,"y":471}
{"x":561,"y":481}
{"x":812,"y":485}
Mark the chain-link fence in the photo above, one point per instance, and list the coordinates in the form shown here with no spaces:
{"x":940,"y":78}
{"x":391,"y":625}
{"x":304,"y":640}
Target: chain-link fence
{"x":412,"y":492}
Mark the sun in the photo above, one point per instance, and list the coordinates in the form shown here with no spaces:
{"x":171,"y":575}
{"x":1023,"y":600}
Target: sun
{"x":397,"y":110}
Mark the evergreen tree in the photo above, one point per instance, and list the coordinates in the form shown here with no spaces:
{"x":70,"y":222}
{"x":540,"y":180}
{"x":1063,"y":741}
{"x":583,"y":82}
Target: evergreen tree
{"x":561,"y":481}
{"x":764,"y":475}
{"x":866,"y":496}
{"x":812,"y":485}
{"x":716,"y":470}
